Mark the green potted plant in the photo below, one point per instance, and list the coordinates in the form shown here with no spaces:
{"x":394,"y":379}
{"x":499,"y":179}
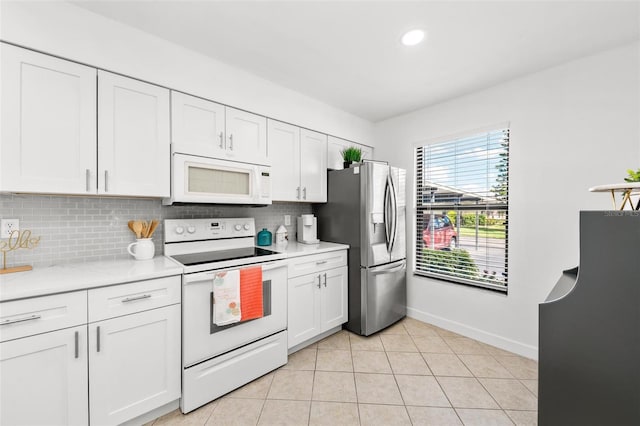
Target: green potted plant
{"x":633,"y":176}
{"x":350,"y":155}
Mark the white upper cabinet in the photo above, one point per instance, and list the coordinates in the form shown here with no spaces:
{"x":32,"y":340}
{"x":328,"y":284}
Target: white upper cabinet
{"x":336,"y":145}
{"x":313,"y":166}
{"x":299,"y":163}
{"x":284,"y":147}
{"x":48,"y":119}
{"x":133,"y":137}
{"x":208,"y":129}
{"x":246,"y":137}
{"x":197,"y":126}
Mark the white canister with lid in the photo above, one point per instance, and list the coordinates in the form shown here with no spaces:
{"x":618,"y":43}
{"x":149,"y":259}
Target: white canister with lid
{"x":281,"y":235}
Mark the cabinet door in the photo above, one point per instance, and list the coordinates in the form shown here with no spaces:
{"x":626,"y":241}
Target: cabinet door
{"x":134,"y":364}
{"x":313,"y":166}
{"x":48,"y":118}
{"x":303,"y":308}
{"x":197,"y":126}
{"x":334,"y":298}
{"x":284,"y":153}
{"x":334,"y":157}
{"x":44,"y":379}
{"x":133,"y":137}
{"x":246,"y":137}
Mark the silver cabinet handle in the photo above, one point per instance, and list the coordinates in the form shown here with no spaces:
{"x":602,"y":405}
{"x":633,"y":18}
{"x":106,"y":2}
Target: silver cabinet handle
{"x":98,"y":339}
{"x":231,"y":141}
{"x":321,"y":262}
{"x":29,"y":318}
{"x":88,"y":179}
{"x":221,"y":135}
{"x":76,"y":345}
{"x":131,"y":299}
{"x":319,"y":281}
{"x":106,"y":181}
{"x":298,"y":193}
{"x":325,"y":279}
{"x":304,"y":193}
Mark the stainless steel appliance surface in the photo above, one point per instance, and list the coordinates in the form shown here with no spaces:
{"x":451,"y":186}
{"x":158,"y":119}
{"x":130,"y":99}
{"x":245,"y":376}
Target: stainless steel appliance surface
{"x":217,"y":359}
{"x":366,"y":208}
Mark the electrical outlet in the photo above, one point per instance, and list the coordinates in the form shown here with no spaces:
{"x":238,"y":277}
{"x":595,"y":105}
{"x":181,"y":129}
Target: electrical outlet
{"x":287,"y":220}
{"x":7,"y":226}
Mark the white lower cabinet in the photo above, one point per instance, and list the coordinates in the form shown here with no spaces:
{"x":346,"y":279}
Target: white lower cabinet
{"x":44,"y":379}
{"x":55,"y":369}
{"x":134,"y":364}
{"x":317,"y":301}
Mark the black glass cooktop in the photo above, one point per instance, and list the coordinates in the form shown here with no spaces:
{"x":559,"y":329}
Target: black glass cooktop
{"x":221,"y":255}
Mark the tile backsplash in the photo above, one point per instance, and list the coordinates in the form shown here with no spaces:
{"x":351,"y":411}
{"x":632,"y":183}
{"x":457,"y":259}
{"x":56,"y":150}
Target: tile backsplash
{"x":82,"y":229}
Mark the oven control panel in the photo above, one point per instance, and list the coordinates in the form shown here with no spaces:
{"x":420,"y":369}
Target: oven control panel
{"x":176,"y":230}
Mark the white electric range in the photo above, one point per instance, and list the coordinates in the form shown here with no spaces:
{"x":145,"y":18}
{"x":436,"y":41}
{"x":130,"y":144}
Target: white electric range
{"x":218,"y":359}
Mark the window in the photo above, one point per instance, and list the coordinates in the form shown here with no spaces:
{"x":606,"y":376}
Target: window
{"x":462,"y":201}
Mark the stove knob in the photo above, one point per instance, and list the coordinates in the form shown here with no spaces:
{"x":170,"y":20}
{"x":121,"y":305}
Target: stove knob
{"x":238,"y":227}
{"x":246,"y":226}
{"x":191,"y":229}
{"x":179,"y":230}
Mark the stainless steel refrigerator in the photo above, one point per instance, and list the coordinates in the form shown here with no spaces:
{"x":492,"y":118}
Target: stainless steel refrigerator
{"x":366,"y":209}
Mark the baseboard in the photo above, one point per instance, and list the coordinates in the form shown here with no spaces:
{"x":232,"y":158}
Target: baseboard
{"x":153,"y":414}
{"x":313,"y":340}
{"x":475,"y":333}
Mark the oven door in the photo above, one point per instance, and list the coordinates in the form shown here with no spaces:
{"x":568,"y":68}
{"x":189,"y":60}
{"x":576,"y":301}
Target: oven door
{"x":209,"y":180}
{"x":202,"y":340}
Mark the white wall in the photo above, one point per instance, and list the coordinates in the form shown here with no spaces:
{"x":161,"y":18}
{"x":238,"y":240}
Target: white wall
{"x":71,"y":32}
{"x":572,"y":127}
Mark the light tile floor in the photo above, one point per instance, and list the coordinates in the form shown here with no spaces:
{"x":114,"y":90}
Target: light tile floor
{"x":412,"y":373}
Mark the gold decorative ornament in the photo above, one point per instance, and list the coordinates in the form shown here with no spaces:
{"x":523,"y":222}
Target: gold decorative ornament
{"x":17,"y":240}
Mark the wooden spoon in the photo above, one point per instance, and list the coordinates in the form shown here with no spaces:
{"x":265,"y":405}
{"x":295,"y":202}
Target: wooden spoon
{"x":152,"y":227}
{"x":137,"y":228}
{"x":130,"y":223}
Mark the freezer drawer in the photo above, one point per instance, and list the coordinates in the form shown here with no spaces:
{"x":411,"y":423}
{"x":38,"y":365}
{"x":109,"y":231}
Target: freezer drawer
{"x":385,"y":296}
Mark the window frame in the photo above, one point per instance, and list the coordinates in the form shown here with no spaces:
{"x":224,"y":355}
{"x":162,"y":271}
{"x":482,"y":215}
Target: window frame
{"x":420,"y":210}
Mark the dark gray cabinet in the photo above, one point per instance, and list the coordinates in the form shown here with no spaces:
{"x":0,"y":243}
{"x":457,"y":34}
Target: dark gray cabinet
{"x":589,"y":338}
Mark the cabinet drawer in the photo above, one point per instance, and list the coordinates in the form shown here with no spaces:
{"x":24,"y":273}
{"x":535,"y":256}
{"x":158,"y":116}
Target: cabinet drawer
{"x":318,"y":262}
{"x":124,"y":299}
{"x":21,"y":318}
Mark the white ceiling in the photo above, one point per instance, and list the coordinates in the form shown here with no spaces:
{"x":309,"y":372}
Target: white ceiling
{"x":348,"y":54}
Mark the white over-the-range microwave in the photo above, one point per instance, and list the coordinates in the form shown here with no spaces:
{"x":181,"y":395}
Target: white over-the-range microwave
{"x":196,"y":179}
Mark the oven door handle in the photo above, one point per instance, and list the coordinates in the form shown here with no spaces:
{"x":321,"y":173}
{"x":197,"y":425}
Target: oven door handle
{"x":210,"y":275}
{"x":198,"y":277}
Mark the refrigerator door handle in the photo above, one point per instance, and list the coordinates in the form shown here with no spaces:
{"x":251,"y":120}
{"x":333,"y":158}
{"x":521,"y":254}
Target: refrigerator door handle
{"x":390,"y":270}
{"x":387,"y":216}
{"x":394,"y":221}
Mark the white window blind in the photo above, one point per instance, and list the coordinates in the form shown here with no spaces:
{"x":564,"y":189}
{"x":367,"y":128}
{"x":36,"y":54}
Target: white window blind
{"x":462,"y":201}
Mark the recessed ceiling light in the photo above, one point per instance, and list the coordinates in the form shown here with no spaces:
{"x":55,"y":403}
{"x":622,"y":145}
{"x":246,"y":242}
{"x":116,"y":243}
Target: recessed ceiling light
{"x":413,"y":37}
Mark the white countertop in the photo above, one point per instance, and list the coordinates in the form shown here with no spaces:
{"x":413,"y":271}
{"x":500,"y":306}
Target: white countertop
{"x":295,"y":249}
{"x":81,"y":276}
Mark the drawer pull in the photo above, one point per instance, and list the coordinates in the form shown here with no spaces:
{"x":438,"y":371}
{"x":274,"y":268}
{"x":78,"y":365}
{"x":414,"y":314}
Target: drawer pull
{"x":321,"y":262}
{"x":76,"y":344}
{"x":132,"y":299}
{"x":29,"y":318}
